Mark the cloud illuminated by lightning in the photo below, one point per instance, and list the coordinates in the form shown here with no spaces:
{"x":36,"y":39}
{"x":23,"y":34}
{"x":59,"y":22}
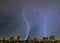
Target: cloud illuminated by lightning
{"x":38,"y":10}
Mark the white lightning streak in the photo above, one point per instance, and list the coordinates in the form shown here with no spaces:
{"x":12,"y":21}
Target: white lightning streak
{"x":44,"y":26}
{"x":37,"y":10}
{"x":26,"y":23}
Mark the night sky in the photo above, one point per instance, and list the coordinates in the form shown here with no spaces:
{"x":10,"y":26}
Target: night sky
{"x":33,"y":18}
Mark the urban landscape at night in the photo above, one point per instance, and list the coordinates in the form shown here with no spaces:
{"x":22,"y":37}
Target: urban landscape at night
{"x":50,"y":39}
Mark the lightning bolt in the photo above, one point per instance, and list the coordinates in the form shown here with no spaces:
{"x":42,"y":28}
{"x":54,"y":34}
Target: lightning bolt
{"x":26,"y":21}
{"x":38,"y":10}
{"x":44,"y":25}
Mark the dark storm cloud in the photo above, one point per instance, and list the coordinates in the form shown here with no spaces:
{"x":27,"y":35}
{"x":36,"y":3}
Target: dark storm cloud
{"x":12,"y":21}
{"x":9,"y":17}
